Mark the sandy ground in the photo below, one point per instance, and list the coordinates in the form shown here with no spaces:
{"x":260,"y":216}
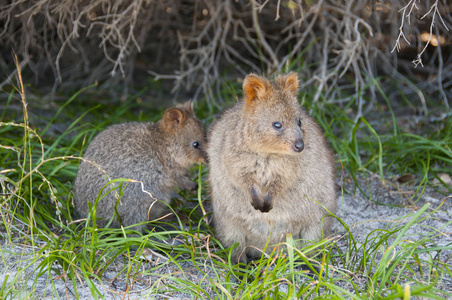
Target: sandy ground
{"x":388,"y":206}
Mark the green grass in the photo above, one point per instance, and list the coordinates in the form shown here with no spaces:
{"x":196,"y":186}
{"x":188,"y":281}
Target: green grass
{"x":43,"y":244}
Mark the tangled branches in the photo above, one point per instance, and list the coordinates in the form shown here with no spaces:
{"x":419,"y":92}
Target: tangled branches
{"x":78,"y":38}
{"x":196,"y":42}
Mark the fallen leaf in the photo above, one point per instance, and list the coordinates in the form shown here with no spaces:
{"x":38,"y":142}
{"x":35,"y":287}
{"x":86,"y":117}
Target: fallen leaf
{"x":405,"y":178}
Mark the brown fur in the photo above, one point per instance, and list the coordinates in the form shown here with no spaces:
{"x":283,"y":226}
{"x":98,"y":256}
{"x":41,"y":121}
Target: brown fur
{"x":156,"y":154}
{"x":266,"y":181}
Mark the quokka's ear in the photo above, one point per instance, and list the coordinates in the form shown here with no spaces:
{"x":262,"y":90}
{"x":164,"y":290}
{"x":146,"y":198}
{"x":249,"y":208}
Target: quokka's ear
{"x":174,"y":118}
{"x":290,"y":82}
{"x":189,"y":106}
{"x":254,"y":88}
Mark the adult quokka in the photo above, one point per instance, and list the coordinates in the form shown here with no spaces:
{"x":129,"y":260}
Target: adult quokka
{"x":271,"y":170}
{"x":156,"y":156}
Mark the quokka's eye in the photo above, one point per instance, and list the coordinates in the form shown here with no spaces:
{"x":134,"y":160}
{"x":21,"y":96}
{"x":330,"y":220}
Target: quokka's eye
{"x":196,"y":145}
{"x":299,"y":123}
{"x":277,"y":125}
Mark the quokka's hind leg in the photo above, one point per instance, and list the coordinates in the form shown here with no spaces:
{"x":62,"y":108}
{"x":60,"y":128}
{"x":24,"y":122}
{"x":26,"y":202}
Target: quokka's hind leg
{"x":229,"y":235}
{"x":313,"y":234}
{"x":239,"y":255}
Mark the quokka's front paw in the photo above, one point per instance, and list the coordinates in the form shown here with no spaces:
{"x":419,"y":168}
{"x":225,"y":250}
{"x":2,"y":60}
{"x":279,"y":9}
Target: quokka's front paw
{"x":257,"y":205}
{"x":188,"y":185}
{"x":265,"y":204}
{"x":194,"y":186}
{"x":256,"y":201}
{"x":268,"y":204}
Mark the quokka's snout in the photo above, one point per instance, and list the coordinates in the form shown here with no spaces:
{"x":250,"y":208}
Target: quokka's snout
{"x":298,"y":146}
{"x":297,"y":142}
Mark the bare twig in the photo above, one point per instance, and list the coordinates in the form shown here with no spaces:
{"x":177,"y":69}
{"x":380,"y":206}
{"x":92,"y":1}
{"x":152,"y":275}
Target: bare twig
{"x":197,"y":43}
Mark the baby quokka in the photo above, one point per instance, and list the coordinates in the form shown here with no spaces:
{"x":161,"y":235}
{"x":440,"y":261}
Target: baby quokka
{"x":156,"y":156}
{"x":271,"y":170}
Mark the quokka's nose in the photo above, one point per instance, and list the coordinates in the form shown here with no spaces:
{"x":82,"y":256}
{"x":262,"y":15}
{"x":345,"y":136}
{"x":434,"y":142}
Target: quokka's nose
{"x":204,"y":158}
{"x":298,"y":146}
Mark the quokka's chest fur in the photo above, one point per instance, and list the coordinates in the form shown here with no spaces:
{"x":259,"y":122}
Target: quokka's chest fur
{"x":276,"y":172}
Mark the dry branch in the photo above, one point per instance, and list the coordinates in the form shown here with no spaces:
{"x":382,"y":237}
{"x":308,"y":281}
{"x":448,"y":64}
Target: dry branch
{"x":196,"y":42}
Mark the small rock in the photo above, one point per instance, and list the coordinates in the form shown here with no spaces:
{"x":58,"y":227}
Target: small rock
{"x":153,"y":257}
{"x":444,"y":177}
